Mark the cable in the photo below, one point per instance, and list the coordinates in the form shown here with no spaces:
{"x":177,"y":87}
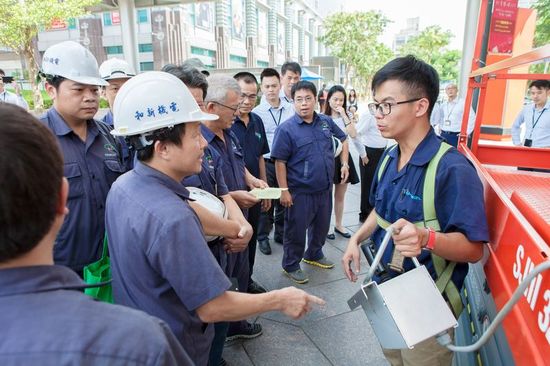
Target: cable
{"x":445,"y":340}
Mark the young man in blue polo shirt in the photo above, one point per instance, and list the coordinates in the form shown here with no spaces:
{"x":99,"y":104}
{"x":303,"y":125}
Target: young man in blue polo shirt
{"x":93,"y":159}
{"x":405,"y":91}
{"x":45,"y":317}
{"x":304,"y":162}
{"x":250,"y":131}
{"x":160,"y":260}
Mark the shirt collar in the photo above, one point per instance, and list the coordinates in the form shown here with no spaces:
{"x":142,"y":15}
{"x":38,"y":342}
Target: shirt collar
{"x":300,"y":121}
{"x":61,"y":128}
{"x":424,"y":152}
{"x":207,"y":133}
{"x":147,"y":171}
{"x":24,"y":280}
{"x":283,"y":96}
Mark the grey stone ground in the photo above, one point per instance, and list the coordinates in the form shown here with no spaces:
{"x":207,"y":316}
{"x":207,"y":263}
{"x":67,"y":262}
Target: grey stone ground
{"x":329,"y":335}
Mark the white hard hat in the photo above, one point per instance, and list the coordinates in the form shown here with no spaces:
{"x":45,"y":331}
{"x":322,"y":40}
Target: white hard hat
{"x":154,"y":100}
{"x":336,"y":146}
{"x":210,"y":202}
{"x":72,"y":61}
{"x":115,"y":68}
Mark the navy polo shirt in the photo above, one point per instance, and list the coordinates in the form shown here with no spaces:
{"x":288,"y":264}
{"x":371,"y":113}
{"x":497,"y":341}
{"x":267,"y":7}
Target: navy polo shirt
{"x":308,"y":152}
{"x":211,"y":180}
{"x":459,"y":200}
{"x":211,"y":177}
{"x":253,"y":140}
{"x":160,"y":261}
{"x":90,"y":167}
{"x":232,"y":156}
{"x":47,"y":321}
{"x":108,"y":118}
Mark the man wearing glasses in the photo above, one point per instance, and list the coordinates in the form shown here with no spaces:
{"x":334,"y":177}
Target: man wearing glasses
{"x":224,"y":99}
{"x":304,"y":163}
{"x":250,"y":131}
{"x":405,"y":91}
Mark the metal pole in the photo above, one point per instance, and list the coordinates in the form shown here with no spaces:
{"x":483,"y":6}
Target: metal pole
{"x":128,"y":27}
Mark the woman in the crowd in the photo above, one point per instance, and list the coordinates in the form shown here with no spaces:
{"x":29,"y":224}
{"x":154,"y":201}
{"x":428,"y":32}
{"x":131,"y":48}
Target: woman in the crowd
{"x":352,"y":99}
{"x":336,"y":108}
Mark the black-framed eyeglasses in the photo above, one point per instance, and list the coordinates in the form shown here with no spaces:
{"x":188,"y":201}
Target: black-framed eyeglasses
{"x":226,"y":106}
{"x":385,"y":107}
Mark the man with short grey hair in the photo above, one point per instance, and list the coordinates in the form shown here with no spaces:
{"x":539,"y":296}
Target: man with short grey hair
{"x":224,"y":99}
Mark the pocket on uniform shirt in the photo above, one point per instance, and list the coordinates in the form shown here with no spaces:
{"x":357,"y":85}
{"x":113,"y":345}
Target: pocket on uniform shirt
{"x":72,"y":172}
{"x":113,"y":170}
{"x":303,"y":148}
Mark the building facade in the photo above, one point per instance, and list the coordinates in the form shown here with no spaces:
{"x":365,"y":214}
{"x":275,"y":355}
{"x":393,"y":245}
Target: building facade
{"x":222,"y":34}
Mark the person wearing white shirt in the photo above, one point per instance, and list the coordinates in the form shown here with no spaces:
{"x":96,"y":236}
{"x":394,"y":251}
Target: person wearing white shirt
{"x":291,"y":73}
{"x":536,"y":117}
{"x":450,"y":116}
{"x":7,"y":97}
{"x":371,"y":145}
{"x":273,"y":110}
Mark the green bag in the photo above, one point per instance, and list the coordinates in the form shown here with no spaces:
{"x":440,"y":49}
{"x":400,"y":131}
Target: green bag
{"x":99,"y":274}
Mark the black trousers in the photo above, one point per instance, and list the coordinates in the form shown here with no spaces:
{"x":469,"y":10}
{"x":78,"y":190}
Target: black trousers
{"x":367,"y":175}
{"x":276,"y":214}
{"x":253,"y":220}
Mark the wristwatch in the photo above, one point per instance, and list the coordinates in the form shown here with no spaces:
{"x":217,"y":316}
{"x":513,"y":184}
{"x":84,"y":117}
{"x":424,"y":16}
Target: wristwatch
{"x":430,"y":245}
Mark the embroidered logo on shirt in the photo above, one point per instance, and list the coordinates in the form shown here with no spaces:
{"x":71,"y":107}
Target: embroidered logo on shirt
{"x":405,"y":192}
{"x":259,"y":135}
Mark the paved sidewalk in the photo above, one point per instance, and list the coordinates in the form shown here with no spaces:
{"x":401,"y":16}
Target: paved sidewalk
{"x":329,"y":335}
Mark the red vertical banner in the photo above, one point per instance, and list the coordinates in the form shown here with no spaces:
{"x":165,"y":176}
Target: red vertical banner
{"x":115,"y":17}
{"x":503,"y":22}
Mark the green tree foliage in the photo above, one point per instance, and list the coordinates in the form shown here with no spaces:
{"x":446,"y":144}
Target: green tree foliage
{"x":542,"y":32}
{"x":431,"y":46}
{"x":353,"y":38}
{"x":21,"y":21}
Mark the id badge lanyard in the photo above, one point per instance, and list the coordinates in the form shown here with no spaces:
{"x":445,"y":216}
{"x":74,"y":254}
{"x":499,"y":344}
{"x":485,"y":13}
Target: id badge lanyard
{"x":534,"y":123}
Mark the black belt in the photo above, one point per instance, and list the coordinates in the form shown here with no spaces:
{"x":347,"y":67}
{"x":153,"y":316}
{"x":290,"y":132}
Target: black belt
{"x":450,"y":132}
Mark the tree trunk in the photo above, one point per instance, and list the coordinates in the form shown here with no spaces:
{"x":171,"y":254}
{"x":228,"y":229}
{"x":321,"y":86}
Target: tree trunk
{"x":30,"y":58}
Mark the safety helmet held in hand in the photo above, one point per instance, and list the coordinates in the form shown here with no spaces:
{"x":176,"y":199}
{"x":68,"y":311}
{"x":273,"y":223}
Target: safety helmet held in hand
{"x":72,"y":61}
{"x":115,"y":68}
{"x":154,"y":100}
{"x":210,"y":202}
{"x":336,"y":146}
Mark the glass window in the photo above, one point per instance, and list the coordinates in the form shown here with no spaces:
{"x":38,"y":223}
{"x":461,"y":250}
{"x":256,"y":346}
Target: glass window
{"x":113,"y":50}
{"x":146,"y":66}
{"x":145,"y":47}
{"x":142,"y":16}
{"x":262,"y":63}
{"x":72,"y":23}
{"x":237,"y":61}
{"x":107,"y":19}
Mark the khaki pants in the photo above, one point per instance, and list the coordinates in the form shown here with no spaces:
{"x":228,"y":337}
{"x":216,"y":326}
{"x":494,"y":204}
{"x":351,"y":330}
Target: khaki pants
{"x":426,"y":353}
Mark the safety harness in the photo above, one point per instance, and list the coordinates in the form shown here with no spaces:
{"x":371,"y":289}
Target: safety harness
{"x":443,"y":268}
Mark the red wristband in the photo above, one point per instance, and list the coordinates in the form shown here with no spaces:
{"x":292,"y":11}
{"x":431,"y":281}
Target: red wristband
{"x":430,"y":245}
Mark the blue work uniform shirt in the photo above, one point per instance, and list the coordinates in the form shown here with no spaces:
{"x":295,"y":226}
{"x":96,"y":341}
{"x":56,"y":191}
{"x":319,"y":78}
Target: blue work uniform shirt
{"x":127,"y":155}
{"x":210,"y":177}
{"x":459,"y":202}
{"x":308,"y":152}
{"x":211,"y":180}
{"x":47,"y":320}
{"x":90,"y":167}
{"x":108,"y":118}
{"x":253,"y":140}
{"x":160,"y":261}
{"x":232,"y":156}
